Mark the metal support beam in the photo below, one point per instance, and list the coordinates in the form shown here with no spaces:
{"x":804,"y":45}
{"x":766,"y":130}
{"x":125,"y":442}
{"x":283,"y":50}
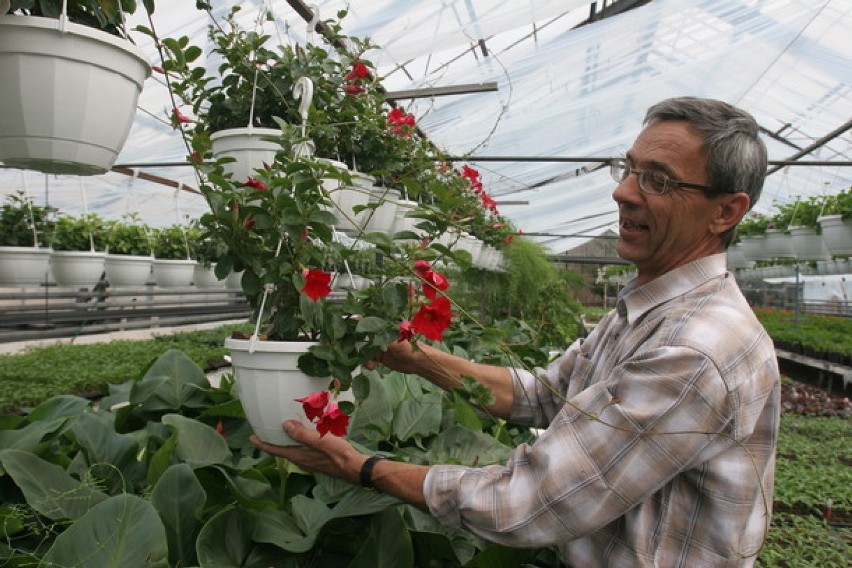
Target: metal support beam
{"x":428,"y":92}
{"x":821,"y":142}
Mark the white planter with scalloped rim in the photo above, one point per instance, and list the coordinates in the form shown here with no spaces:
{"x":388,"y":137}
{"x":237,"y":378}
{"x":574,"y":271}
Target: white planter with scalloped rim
{"x":808,"y":244}
{"x":837,"y":234}
{"x":24,"y":266}
{"x":124,"y":270}
{"x":248,"y":148}
{"x":77,"y":268}
{"x":173,"y":273}
{"x":205,"y":277}
{"x":268,"y":382}
{"x":67,"y":95}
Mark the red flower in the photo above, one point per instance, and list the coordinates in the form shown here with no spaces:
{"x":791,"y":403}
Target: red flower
{"x":249,"y":224}
{"x":314,"y":404}
{"x":359,"y":71}
{"x":157,"y":68}
{"x":470,"y":173}
{"x":422,"y":267}
{"x":220,"y":429}
{"x":400,"y":121}
{"x":406,"y":331}
{"x":508,"y":240}
{"x":354,"y":89}
{"x":432,"y":319}
{"x":317,"y":284}
{"x":255,"y":183}
{"x":179,"y":118}
{"x":434,"y":282}
{"x":333,"y":421}
{"x":196,"y":158}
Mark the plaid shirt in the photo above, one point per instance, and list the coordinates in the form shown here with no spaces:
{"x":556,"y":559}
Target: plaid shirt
{"x":659,"y":448}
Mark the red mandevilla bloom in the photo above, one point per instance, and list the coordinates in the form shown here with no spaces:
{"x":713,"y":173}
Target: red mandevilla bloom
{"x":432,"y":319}
{"x":179,"y":118}
{"x":317,"y":284}
{"x":406,"y":331}
{"x":314,"y":404}
{"x":433,"y":282}
{"x":220,"y":429}
{"x":255,"y":183}
{"x":471,"y":174}
{"x":359,"y":71}
{"x":333,"y":421}
{"x":354,"y":89}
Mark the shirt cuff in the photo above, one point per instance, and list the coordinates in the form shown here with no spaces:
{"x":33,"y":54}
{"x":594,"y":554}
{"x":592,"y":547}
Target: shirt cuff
{"x":440,"y":490}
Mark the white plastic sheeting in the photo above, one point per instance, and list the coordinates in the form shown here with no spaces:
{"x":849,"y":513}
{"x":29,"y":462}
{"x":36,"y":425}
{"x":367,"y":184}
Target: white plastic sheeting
{"x":562,"y":92}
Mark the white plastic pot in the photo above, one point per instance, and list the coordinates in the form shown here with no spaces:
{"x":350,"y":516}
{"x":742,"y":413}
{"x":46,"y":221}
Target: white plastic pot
{"x":173,"y":273}
{"x":247,"y":147}
{"x":124,"y":270}
{"x":67,"y":95}
{"x":77,"y":268}
{"x":24,"y":266}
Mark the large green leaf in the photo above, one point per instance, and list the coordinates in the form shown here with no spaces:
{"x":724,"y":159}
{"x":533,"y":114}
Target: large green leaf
{"x":371,"y":421}
{"x":103,"y":445}
{"x":173,"y":381}
{"x":197,"y":443}
{"x":458,"y":445}
{"x":179,"y":497}
{"x":418,"y":416}
{"x":47,"y":487}
{"x":28,"y":437}
{"x":225,"y":540}
{"x":277,"y":527}
{"x":388,"y":544}
{"x":63,"y":406}
{"x":121,"y":532}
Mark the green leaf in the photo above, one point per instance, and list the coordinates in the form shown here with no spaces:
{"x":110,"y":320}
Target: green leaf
{"x":183,"y":385}
{"x":225,"y":539}
{"x":101,"y":444}
{"x":179,"y":498}
{"x":418,"y":416}
{"x":388,"y":545}
{"x":62,"y":406}
{"x":371,"y":324}
{"x":277,"y":527}
{"x":197,"y":443}
{"x":28,"y":437}
{"x":47,"y":487}
{"x":458,"y":445}
{"x":122,"y":531}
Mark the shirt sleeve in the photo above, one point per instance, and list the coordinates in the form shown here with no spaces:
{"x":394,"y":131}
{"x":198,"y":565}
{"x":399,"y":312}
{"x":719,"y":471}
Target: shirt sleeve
{"x":607,"y":450}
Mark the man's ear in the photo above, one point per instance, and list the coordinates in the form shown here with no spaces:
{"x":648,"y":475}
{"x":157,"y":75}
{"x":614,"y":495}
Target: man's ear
{"x":732,"y":207}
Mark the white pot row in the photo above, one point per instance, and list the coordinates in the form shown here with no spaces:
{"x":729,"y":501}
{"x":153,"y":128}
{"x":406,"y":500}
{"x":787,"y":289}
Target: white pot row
{"x":799,"y":242}
{"x":30,"y":266}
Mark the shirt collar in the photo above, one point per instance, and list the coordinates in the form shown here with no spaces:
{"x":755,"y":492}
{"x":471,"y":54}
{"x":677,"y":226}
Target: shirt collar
{"x":634,"y":301}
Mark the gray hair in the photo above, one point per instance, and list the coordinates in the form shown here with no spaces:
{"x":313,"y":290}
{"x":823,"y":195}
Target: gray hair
{"x":737,"y":156}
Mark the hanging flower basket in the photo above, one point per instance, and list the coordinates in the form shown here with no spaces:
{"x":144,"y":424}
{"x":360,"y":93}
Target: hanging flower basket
{"x":128,"y":270}
{"x":778,"y":244}
{"x":248,"y":148}
{"x":837,"y":234}
{"x":77,"y":268}
{"x":808,"y":244}
{"x":268,"y":382}
{"x":24,"y":266}
{"x":68,"y":95}
{"x":173,"y":273}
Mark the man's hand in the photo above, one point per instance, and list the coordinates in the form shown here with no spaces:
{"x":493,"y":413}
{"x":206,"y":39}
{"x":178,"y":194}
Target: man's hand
{"x":328,"y":454}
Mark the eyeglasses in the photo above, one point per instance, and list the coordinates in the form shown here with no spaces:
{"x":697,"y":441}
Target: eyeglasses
{"x":653,"y":182}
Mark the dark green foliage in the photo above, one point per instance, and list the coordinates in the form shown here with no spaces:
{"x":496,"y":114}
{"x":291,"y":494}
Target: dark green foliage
{"x":18,"y":217}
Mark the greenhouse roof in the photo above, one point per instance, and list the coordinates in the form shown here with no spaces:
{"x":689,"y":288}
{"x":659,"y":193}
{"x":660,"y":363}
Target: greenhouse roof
{"x":564,"y":91}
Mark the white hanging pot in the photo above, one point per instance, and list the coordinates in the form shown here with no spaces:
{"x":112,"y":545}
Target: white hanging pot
{"x":403,"y":222}
{"x":737,"y":258}
{"x":837,"y":234}
{"x":778,"y":244}
{"x":247,"y":147}
{"x":205,"y":277}
{"x":268,"y":382}
{"x":753,"y":247}
{"x":347,"y":198}
{"x":234,"y":281}
{"x":383,"y":217}
{"x":808,"y":244}
{"x":68,"y":95}
{"x":24,"y":266}
{"x":77,"y":268}
{"x":173,"y":273}
{"x":128,"y":270}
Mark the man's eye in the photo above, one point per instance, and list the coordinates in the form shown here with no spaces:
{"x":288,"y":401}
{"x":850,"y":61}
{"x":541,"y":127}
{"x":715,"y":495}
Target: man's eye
{"x":657,"y":179}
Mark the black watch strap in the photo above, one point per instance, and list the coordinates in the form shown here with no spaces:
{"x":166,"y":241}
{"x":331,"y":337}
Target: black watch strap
{"x":366,"y":475}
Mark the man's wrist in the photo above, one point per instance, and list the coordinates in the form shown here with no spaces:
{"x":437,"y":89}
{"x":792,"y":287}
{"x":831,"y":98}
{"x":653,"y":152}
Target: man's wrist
{"x":365,"y":476}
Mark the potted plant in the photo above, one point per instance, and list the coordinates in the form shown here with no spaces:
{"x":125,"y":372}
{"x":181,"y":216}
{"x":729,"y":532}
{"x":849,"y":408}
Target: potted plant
{"x":836,"y":223}
{"x":79,"y":250}
{"x":282,"y":227}
{"x":24,"y":241}
{"x":129,"y":257}
{"x":82,"y":65}
{"x":172,"y":265}
{"x":751,"y":233}
{"x":206,"y":251}
{"x":805,"y":231}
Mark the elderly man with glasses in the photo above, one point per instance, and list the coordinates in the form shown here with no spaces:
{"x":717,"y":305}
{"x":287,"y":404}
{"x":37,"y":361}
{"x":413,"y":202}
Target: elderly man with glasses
{"x":660,"y":427}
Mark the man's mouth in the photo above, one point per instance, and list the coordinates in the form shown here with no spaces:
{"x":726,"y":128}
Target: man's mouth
{"x":632,"y":226}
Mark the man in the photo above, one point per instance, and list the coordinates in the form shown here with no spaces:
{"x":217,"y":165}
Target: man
{"x":661,"y":425}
